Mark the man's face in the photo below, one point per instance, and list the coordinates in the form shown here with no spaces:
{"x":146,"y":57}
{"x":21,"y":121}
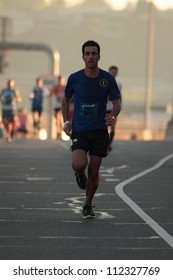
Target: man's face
{"x":91,"y":57}
{"x":10,"y":83}
{"x":39,"y":83}
{"x":114,"y":72}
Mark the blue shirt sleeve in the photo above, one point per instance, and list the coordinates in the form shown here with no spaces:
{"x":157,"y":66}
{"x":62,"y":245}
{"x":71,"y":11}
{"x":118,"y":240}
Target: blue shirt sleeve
{"x":114,"y":92}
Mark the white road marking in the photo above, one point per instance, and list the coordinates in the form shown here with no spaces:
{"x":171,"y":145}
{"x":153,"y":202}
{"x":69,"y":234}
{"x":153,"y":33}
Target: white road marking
{"x":112,"y":169}
{"x":75,"y":204}
{"x":98,"y":237}
{"x":112,"y":180}
{"x":35,"y":208}
{"x":108,"y":172}
{"x":39,"y":178}
{"x":155,"y":226}
{"x":12,"y":182}
{"x":105,"y":215}
{"x":106,"y":175}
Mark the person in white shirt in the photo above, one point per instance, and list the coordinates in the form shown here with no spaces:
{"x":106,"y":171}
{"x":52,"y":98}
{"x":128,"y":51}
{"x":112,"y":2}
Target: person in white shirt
{"x":57,"y":92}
{"x":113,"y":70}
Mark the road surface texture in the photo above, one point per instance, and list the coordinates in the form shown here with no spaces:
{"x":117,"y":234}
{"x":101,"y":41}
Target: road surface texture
{"x":40,"y":203}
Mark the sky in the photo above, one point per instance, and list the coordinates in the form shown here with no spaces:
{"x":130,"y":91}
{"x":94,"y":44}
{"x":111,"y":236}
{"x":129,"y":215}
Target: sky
{"x":118,"y":4}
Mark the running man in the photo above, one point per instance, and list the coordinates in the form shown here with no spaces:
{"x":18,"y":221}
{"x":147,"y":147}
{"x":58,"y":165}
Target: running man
{"x":90,"y":89}
{"x":8,"y":97}
{"x":57,"y":92}
{"x":114,"y":71}
{"x":37,"y":95}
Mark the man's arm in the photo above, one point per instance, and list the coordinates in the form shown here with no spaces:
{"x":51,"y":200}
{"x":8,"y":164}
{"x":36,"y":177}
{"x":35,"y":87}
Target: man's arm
{"x":17,"y":96}
{"x":116,"y":107}
{"x":114,"y":113}
{"x":65,"y":114}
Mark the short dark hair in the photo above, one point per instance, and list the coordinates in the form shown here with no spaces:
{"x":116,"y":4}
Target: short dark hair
{"x":113,"y":67}
{"x":90,"y":43}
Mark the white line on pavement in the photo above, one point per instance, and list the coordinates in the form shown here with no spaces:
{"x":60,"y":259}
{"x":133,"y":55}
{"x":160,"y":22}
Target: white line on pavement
{"x":155,"y":226}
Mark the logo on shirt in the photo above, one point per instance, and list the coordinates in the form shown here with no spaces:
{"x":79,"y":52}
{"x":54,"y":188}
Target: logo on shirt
{"x":103,"y":83}
{"x":88,"y":110}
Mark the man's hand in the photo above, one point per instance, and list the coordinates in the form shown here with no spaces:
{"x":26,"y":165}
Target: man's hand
{"x":67,"y":128}
{"x":109,"y":119}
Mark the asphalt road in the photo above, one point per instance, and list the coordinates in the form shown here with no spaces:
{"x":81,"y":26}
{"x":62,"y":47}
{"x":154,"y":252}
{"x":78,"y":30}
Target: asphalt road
{"x":40,"y":203}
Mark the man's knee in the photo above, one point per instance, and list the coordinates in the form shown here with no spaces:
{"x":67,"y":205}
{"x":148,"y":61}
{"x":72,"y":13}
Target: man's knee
{"x":79,"y":165}
{"x":79,"y":162}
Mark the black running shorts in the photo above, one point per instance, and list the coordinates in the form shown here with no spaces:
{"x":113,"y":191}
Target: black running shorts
{"x":94,"y":141}
{"x":8,"y":115}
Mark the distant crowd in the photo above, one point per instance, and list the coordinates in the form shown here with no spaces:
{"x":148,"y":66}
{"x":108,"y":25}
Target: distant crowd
{"x":16,"y":121}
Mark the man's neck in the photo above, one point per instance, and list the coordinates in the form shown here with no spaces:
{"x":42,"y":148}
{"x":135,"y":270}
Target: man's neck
{"x":92,"y":73}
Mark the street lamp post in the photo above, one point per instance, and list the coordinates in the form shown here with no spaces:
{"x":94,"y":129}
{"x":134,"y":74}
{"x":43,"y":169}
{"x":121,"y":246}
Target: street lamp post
{"x":149,"y":67}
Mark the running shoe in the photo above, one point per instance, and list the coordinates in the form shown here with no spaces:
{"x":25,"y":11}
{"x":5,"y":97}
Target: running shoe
{"x":88,"y":211}
{"x":81,"y":179}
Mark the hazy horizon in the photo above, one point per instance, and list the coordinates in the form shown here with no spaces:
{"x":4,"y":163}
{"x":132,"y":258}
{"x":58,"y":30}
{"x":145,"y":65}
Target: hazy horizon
{"x":121,"y":32}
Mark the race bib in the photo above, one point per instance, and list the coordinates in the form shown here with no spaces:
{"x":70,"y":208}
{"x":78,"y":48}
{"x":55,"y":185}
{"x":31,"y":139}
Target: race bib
{"x":88,"y":110}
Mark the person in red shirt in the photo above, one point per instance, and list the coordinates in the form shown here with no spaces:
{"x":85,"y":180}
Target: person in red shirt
{"x":57,"y":92}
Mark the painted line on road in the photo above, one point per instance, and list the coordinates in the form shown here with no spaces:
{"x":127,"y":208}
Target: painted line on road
{"x":39,"y":178}
{"x":120,"y":192}
{"x":112,"y":180}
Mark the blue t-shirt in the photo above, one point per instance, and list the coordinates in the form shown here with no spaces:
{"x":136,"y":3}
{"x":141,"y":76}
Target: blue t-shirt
{"x":90,"y":98}
{"x":8,"y":96}
{"x":37,"y":101}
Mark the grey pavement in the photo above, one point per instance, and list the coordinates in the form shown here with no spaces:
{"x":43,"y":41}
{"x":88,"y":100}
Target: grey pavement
{"x":40,"y":203}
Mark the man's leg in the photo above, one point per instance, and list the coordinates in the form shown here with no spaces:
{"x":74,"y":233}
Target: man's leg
{"x":93,"y":177}
{"x":112,"y":134}
{"x":8,"y":129}
{"x":91,"y":186}
{"x":79,"y":163}
{"x":59,"y":123}
{"x":79,"y":160}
